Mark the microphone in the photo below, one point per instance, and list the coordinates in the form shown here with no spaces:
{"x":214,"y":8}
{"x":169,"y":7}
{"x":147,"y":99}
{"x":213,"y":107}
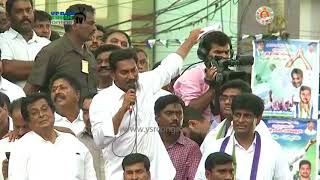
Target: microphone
{"x":133,"y":86}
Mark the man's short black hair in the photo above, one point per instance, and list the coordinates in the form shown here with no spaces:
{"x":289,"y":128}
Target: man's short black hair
{"x":41,"y":16}
{"x":74,"y":83}
{"x":2,"y":102}
{"x":120,"y":55}
{"x":9,"y":5}
{"x":5,"y":100}
{"x":100,"y":28}
{"x":190,"y":113}
{"x":243,"y":86}
{"x":135,"y":158}
{"x":141,"y":50}
{"x":111,"y":31}
{"x":26,"y":102}
{"x":90,"y":95}
{"x":215,"y":37}
{"x":303,"y":162}
{"x":217,"y":158}
{"x":248,"y":102}
{"x":77,"y":11}
{"x":297,"y":71}
{"x":163,"y":101}
{"x":105,"y":48}
{"x":16,"y":104}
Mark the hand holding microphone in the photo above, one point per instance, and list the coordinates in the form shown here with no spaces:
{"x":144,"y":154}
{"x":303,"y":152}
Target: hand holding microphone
{"x":129,"y":98}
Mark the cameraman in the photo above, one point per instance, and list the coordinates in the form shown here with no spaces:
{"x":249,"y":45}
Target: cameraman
{"x":196,"y":86}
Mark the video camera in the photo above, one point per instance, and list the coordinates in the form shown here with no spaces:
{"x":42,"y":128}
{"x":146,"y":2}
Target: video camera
{"x":224,"y":73}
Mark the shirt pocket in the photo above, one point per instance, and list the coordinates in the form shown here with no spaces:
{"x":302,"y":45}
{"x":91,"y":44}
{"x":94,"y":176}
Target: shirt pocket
{"x":77,"y":164}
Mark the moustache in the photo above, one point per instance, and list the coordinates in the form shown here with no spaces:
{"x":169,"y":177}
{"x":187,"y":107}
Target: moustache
{"x":104,"y":68}
{"x":25,"y":19}
{"x":174,"y":124}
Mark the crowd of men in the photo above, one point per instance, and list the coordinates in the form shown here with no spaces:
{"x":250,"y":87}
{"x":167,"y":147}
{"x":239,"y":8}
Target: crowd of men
{"x":86,"y":105}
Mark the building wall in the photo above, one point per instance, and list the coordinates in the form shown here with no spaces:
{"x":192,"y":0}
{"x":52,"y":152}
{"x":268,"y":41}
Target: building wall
{"x":309,"y":19}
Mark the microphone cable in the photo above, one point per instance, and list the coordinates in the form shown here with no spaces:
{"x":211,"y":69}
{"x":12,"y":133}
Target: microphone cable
{"x":126,"y":131}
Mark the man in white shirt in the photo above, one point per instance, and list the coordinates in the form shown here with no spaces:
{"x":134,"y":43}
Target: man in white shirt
{"x":114,"y":117}
{"x":19,"y":45}
{"x":296,"y":80}
{"x":229,"y":90}
{"x":44,"y":153}
{"x":20,"y":126}
{"x":310,"y":130}
{"x":255,"y":156}
{"x":102,"y":55}
{"x":65,"y":94}
{"x":304,"y":108}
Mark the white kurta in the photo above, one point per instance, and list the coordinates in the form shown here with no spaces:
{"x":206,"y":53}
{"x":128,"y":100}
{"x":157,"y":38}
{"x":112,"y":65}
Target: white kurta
{"x":12,"y":90}
{"x":107,"y":103}
{"x":33,"y":158}
{"x":14,"y":46}
{"x":272,"y":163}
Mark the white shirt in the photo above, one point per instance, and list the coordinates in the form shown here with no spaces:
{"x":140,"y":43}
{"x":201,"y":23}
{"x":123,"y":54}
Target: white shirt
{"x":76,"y":126}
{"x":33,"y":158}
{"x":261,"y":128}
{"x":13,"y":91}
{"x":298,"y":111}
{"x":272,"y":164}
{"x":5,"y":146}
{"x":309,"y":132}
{"x":107,"y":103}
{"x":10,"y":124}
{"x":14,"y":46}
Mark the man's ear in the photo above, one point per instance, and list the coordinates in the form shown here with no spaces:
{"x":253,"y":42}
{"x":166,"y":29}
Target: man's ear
{"x":6,"y":108}
{"x":149,"y":175}
{"x":258,"y":119}
{"x":207,"y":173}
{"x":78,"y":94}
{"x":193,"y":123}
{"x":112,"y":74}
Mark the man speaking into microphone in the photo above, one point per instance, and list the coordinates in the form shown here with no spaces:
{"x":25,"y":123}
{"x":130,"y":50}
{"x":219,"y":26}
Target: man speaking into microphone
{"x":122,"y":114}
{"x":132,"y":96}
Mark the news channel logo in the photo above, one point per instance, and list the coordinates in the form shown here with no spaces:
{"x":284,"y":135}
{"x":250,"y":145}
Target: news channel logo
{"x":67,"y":18}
